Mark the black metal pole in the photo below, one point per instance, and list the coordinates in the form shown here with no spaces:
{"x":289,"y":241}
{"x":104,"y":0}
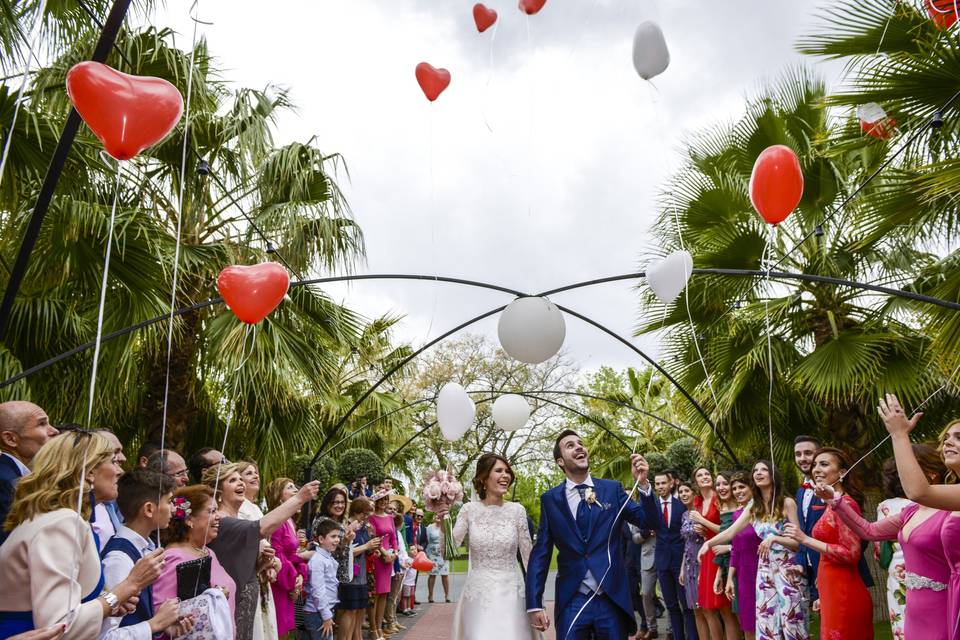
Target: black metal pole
{"x":107,"y":37}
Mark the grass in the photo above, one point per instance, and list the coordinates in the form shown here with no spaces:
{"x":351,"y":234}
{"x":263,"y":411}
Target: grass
{"x":460,"y":564}
{"x":881,"y":630}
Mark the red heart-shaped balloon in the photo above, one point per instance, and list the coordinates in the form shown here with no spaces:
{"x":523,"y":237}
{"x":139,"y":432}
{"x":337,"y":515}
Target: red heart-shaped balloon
{"x":432,"y":81}
{"x":530,"y":7}
{"x":252,"y":292}
{"x":483,"y":16}
{"x":128,"y":113}
{"x":942,"y":12}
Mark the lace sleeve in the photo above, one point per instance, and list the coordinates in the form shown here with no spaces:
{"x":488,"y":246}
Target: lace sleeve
{"x":847,"y":549}
{"x":462,"y":526}
{"x":523,"y":535}
{"x":883,"y":529}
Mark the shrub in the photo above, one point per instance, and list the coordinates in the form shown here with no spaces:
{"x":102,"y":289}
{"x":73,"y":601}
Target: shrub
{"x":354,"y":463}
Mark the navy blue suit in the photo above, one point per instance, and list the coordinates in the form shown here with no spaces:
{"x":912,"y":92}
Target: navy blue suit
{"x":9,"y":475}
{"x":810,"y":558}
{"x":610,"y":614}
{"x":421,"y":540}
{"x":667,"y":558}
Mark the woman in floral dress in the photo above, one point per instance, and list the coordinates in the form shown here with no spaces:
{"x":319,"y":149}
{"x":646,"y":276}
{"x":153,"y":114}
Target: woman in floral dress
{"x":896,"y":587}
{"x":781,"y":605}
{"x":690,"y":566}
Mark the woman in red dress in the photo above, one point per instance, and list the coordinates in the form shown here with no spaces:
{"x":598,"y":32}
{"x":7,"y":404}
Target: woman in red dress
{"x":846,"y":610}
{"x":706,"y":519}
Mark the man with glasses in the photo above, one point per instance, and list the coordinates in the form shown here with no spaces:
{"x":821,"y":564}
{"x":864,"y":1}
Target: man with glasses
{"x":170,"y":463}
{"x":24,"y":428}
{"x":416,"y":538}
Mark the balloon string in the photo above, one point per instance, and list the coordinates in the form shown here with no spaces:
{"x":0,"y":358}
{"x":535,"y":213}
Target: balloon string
{"x":767,"y":250}
{"x":223,"y":446}
{"x":34,"y":35}
{"x":103,"y":297}
{"x":249,"y":330}
{"x":433,"y":227}
{"x":886,"y":25}
{"x":486,"y":91}
{"x":913,"y":413}
{"x":176,"y":250}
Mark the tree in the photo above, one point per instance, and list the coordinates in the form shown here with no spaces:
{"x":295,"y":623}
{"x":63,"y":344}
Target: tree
{"x":280,"y":387}
{"x":485,"y":370}
{"x":833,"y":347}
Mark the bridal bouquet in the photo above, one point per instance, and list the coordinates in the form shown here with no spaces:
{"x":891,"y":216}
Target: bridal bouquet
{"x":441,"y":491}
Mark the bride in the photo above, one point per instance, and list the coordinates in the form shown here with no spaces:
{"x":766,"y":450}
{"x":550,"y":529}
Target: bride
{"x":492,"y":603}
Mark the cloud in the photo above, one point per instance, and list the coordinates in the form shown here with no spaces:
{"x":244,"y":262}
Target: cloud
{"x":541,"y":163}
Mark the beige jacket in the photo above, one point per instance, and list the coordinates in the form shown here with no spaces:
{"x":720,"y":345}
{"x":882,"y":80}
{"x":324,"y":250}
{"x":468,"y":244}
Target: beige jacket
{"x":38,"y":570}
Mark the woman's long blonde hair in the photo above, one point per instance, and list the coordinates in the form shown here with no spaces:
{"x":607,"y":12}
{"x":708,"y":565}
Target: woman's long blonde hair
{"x":58,"y":470}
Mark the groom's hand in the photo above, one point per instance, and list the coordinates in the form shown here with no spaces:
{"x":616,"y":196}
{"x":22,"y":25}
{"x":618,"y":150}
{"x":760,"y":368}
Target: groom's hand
{"x":639,"y":467}
{"x":539,"y":620}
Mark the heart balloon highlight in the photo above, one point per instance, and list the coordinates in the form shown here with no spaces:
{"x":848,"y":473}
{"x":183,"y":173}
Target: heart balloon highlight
{"x":253,"y":292}
{"x":483,"y":16}
{"x":531,"y":7}
{"x":433,"y":81}
{"x":669,"y":276}
{"x":776,"y":184}
{"x":127,"y":113}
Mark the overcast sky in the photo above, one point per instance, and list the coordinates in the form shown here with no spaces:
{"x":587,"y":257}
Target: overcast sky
{"x":540,"y":164}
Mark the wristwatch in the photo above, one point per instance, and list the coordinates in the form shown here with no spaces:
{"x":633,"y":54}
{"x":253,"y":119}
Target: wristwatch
{"x":112,"y":601}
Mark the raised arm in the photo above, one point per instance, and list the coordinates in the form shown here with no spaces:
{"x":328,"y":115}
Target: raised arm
{"x":726,"y":536}
{"x":274,"y":519}
{"x":462,"y":526}
{"x":915,"y":484}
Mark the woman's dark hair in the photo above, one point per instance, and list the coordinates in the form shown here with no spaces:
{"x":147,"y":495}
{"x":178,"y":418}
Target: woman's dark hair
{"x":741,"y":477}
{"x":328,"y":499}
{"x":485,"y":465}
{"x":762,"y":510}
{"x":930,"y":461}
{"x":361,"y":505}
{"x":850,"y":482}
{"x":557,"y":455}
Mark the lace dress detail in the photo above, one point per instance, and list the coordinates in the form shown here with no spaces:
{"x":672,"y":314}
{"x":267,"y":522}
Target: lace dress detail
{"x":492,"y":603}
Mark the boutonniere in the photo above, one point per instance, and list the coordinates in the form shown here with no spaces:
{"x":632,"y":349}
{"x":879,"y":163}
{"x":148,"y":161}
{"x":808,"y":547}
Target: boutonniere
{"x":590,"y":496}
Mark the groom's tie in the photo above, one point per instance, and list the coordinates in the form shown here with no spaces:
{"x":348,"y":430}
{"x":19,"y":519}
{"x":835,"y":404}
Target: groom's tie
{"x":583,"y":512}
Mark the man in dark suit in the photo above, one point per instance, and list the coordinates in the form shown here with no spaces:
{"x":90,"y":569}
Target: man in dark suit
{"x":24,"y":428}
{"x":668,"y":557}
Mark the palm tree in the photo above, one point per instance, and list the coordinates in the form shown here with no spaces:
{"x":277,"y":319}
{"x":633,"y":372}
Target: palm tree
{"x":897,"y":57}
{"x":257,"y":201}
{"x":833,"y":348}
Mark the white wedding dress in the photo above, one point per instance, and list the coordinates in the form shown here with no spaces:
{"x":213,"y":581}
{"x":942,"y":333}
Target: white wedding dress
{"x":492,"y":604}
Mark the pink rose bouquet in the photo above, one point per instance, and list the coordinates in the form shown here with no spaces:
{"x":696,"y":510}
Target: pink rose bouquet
{"x":441,"y":491}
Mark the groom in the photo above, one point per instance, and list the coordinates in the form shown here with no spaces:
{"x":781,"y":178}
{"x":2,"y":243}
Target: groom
{"x":592,"y":594}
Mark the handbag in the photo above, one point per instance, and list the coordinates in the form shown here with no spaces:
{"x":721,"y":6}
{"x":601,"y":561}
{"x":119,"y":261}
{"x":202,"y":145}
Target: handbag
{"x":211,"y":616}
{"x":193,"y":577}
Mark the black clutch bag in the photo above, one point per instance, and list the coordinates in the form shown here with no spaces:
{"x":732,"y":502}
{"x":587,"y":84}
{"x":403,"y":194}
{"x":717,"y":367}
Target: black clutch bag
{"x":193,"y":577}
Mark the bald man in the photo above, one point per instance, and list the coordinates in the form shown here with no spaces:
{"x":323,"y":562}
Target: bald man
{"x":24,"y":428}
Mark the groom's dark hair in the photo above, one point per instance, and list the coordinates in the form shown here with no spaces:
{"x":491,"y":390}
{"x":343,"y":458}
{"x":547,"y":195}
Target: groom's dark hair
{"x":556,"y":445}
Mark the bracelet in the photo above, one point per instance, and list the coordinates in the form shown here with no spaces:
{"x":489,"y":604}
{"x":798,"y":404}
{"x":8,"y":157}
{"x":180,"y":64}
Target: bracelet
{"x":112,"y":602}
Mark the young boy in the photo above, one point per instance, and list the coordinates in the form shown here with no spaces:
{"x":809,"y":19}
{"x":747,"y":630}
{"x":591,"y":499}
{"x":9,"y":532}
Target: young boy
{"x":144,"y":501}
{"x":322,"y":592}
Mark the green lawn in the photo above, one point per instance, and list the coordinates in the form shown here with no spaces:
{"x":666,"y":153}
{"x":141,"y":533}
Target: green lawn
{"x":881,"y":630}
{"x":460,"y":563}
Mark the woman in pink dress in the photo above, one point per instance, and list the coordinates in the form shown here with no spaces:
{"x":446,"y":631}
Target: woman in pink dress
{"x":383,"y":527}
{"x":194,"y":523}
{"x":937,"y":496}
{"x":918,"y":530}
{"x":293,"y":569}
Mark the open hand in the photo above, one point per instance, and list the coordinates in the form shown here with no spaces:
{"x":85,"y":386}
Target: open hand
{"x":765,"y":545}
{"x":704,"y":548}
{"x":825,"y":492}
{"x":147,"y":570}
{"x":894,"y":417}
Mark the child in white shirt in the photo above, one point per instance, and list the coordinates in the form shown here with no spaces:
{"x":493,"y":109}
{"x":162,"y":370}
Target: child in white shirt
{"x":322,"y":590}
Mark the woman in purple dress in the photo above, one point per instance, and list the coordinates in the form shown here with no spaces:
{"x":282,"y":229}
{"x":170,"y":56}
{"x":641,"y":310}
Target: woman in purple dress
{"x":690,"y":567}
{"x":920,"y":532}
{"x":741,"y":584}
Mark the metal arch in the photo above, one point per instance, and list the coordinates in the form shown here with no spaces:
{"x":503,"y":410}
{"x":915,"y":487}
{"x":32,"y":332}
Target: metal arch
{"x":494,"y":397}
{"x":780,"y":275}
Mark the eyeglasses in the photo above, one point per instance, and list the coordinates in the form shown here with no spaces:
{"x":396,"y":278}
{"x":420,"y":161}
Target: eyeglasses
{"x":418,"y":517}
{"x":182,"y":473}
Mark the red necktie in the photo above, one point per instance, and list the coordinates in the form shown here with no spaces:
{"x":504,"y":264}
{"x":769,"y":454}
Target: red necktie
{"x":666,"y":515}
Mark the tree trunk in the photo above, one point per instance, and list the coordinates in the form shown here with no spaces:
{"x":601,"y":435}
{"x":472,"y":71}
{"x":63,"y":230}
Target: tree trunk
{"x":181,"y":402}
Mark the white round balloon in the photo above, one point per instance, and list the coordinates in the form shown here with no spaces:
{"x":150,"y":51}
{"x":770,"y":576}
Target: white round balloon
{"x":455,"y":411}
{"x":510,"y":412}
{"x":531,"y":330}
{"x":650,"y":54}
